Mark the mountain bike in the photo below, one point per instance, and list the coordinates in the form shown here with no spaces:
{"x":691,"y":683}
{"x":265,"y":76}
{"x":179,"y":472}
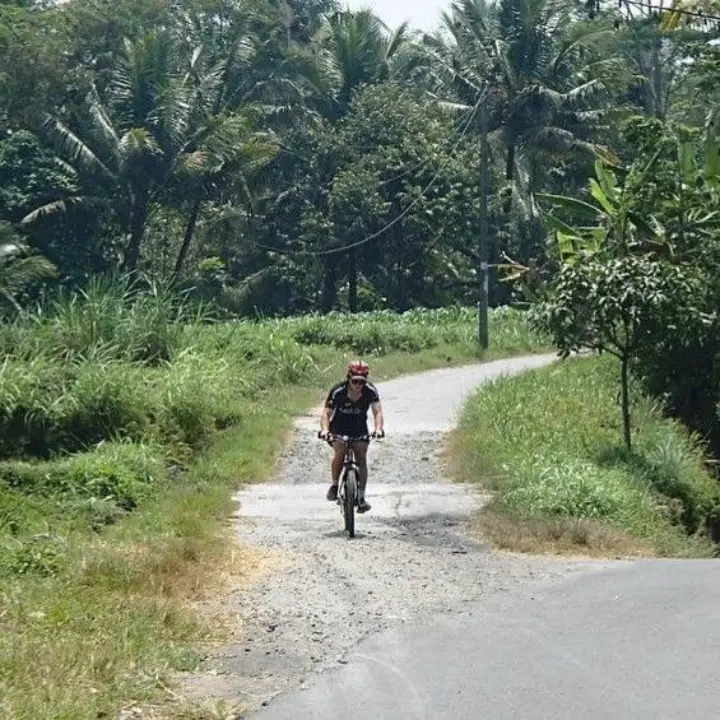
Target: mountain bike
{"x":349,"y":479}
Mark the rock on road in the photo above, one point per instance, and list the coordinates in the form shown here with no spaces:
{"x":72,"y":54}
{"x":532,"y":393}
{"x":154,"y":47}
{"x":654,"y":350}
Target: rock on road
{"x":416,"y":618}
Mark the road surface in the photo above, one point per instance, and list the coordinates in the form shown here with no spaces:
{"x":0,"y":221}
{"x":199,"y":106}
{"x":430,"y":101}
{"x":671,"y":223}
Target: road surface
{"x":417,"y":619}
{"x":636,"y":640}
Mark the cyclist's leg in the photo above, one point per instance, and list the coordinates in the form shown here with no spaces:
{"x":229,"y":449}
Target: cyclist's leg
{"x":361,"y":457}
{"x":336,"y":469}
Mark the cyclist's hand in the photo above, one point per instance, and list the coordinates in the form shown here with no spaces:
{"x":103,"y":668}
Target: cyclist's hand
{"x":323,"y":434}
{"x":379,"y":434}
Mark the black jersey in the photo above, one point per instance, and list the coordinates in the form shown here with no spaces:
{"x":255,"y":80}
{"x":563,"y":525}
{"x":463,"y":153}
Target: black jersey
{"x":348,"y":417}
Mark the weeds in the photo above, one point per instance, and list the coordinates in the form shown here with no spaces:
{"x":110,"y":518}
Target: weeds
{"x":546,"y":442}
{"x":127,"y":418}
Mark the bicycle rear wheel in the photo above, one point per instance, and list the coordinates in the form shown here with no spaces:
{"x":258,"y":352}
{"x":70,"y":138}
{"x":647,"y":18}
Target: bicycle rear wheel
{"x":350,"y":501}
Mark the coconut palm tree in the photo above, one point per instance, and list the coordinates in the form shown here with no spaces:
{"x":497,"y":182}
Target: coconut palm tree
{"x":165,"y":120}
{"x":136,"y":139}
{"x":352,"y":49}
{"x":531,"y":58}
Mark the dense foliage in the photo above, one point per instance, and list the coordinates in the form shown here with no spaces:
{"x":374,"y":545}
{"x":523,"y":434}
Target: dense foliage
{"x":288,"y":157}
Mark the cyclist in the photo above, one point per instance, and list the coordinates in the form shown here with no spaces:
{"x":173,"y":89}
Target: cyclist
{"x":345,"y":413}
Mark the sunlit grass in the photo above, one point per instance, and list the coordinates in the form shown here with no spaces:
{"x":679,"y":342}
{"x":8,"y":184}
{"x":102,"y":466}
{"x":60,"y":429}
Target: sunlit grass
{"x":127,"y":421}
{"x":549,"y":444}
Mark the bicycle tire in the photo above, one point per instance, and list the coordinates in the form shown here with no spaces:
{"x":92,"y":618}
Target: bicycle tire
{"x":349,"y":501}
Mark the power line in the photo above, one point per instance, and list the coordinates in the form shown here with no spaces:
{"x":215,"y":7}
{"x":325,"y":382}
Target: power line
{"x":394,"y":221}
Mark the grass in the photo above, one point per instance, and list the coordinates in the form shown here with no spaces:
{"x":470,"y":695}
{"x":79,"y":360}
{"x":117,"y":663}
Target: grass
{"x":548,"y":444}
{"x":127,"y":421}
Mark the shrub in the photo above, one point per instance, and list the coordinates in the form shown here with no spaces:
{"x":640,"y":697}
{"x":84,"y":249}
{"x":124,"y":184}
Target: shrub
{"x":31,"y":393}
{"x":105,"y":401}
{"x":125,"y":473}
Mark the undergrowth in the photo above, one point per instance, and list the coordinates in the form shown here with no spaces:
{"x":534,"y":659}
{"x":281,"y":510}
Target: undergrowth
{"x":549,"y":444}
{"x":127,"y":420}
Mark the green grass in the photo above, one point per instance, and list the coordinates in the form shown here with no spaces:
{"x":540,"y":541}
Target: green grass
{"x":548,"y":443}
{"x":127,"y":420}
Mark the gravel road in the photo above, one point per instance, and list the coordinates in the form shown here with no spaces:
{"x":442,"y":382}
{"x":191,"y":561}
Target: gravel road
{"x":413,"y":556}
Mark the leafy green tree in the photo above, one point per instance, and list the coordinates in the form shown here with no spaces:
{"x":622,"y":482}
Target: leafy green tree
{"x":634,"y":284}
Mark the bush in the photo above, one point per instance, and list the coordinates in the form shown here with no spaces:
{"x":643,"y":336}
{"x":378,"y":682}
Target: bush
{"x":377,"y":333}
{"x":121,"y":319}
{"x":31,"y":393}
{"x":192,"y":396}
{"x":49,"y":406}
{"x":122,"y":472}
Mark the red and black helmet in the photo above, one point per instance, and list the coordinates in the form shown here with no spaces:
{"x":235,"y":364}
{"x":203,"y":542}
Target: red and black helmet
{"x":358,"y":369}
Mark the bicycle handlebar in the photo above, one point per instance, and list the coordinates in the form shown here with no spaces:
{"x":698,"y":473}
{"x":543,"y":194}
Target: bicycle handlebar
{"x":332,"y":437}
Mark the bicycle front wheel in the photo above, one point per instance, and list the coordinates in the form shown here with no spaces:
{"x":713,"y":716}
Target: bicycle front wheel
{"x":350,"y":501}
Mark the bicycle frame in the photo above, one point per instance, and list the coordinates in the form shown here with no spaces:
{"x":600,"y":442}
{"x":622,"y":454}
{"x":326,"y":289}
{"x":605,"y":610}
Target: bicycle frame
{"x":349,"y":479}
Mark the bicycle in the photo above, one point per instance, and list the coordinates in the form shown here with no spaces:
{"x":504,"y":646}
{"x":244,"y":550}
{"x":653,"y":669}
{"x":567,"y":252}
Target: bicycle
{"x":349,"y":477}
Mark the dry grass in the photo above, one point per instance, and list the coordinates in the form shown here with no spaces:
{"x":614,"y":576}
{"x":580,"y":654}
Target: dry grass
{"x":557,"y":536}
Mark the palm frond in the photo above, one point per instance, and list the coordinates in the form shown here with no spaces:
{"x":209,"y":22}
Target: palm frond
{"x":20,"y":267}
{"x":74,"y":149}
{"x":102,"y":122}
{"x":138,"y":141}
{"x":396,"y":41}
{"x":581,"y":37}
{"x":58,"y":207}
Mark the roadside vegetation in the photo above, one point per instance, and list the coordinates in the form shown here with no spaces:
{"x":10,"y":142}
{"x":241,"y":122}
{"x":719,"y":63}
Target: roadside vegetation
{"x":548,"y":444}
{"x":127,"y":418}
{"x":317,"y":179}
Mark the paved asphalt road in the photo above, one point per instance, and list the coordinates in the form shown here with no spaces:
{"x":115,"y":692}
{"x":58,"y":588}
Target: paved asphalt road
{"x":627,"y":640}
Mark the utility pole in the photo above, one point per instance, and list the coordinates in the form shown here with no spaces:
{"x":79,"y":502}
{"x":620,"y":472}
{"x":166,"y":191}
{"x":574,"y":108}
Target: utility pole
{"x":483,"y":248}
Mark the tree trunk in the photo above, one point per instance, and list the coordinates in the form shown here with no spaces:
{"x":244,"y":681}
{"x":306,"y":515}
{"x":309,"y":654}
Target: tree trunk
{"x":188,"y":236}
{"x":329,"y":291}
{"x":484,"y":245}
{"x":352,"y":281}
{"x":625,"y":382}
{"x":138,"y":223}
{"x":509,"y":177}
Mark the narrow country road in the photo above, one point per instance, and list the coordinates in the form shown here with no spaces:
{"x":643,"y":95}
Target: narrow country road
{"x":416,"y":618}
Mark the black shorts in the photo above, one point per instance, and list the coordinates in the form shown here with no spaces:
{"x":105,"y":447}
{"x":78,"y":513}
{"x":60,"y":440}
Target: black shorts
{"x":349,"y":428}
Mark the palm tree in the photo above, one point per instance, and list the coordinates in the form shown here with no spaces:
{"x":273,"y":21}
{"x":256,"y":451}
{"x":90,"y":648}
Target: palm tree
{"x":165,"y":119}
{"x":237,"y":86}
{"x":136,"y":139}
{"x":530,"y":58}
{"x":352,"y":49}
{"x":522,"y":69}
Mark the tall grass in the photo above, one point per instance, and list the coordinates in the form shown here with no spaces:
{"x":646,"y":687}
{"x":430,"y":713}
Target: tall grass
{"x":127,"y":416}
{"x":549,"y":443}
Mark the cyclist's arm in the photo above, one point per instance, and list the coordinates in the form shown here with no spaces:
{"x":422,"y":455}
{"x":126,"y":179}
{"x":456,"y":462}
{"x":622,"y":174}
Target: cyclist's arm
{"x":327,"y":412}
{"x":378,"y":416}
{"x":325,"y":419}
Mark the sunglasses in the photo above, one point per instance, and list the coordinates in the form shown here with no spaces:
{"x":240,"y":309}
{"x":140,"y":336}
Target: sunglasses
{"x":357,"y":382}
